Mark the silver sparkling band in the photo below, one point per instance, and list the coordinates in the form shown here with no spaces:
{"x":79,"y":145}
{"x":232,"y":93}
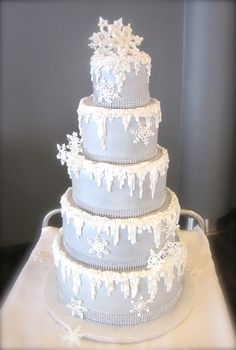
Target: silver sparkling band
{"x":119,"y":159}
{"x":122,"y":102}
{"x":153,"y":205}
{"x":129,"y":318}
{"x":105,"y":264}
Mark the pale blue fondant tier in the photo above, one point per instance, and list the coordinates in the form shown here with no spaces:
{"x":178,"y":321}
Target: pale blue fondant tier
{"x":128,"y":252}
{"x":114,"y":309}
{"x":120,"y":145}
{"x":135,"y":91}
{"x":118,"y":201}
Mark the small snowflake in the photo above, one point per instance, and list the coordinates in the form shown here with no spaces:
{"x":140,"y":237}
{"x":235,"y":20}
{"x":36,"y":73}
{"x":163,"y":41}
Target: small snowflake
{"x":107,"y":92}
{"x":140,"y":305}
{"x":73,"y":336}
{"x":77,"y":308}
{"x":74,"y":146}
{"x":98,"y":247}
{"x":142,"y":133}
{"x":114,"y":39}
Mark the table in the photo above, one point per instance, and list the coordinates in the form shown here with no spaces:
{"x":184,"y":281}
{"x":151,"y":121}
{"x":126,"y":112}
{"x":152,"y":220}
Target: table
{"x":26,"y":324}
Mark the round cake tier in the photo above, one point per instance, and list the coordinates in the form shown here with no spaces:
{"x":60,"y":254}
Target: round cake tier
{"x":119,"y":190}
{"x":112,"y":91}
{"x":119,"y":298}
{"x":119,"y":135}
{"x":117,"y":244}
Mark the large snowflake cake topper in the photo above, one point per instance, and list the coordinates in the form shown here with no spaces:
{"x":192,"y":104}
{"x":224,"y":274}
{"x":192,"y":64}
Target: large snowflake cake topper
{"x":115,"y":38}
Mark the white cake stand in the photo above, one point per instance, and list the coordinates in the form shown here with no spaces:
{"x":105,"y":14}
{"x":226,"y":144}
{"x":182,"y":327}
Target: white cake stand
{"x":118,"y":334}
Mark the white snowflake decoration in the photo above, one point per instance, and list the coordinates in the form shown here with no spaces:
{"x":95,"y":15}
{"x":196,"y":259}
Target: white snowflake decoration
{"x":142,"y":133}
{"x":77,"y":308}
{"x":114,"y":39}
{"x":74,"y":146}
{"x":107,"y":92}
{"x":98,"y":247}
{"x":175,"y":249}
{"x":140,"y":306}
{"x":73,"y":336}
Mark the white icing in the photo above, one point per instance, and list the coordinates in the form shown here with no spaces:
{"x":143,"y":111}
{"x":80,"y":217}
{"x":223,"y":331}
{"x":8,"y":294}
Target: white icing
{"x":108,"y":172}
{"x":171,"y":265}
{"x":151,"y":113}
{"x":116,"y":51}
{"x":162,"y":222}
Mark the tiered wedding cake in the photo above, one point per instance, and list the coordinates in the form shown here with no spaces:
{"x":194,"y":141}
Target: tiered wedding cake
{"x":118,"y":257}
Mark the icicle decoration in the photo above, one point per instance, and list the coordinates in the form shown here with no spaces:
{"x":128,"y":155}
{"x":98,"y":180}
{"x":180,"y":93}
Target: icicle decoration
{"x":163,"y":222}
{"x":76,"y":161}
{"x":172,"y":265}
{"x":145,"y":115}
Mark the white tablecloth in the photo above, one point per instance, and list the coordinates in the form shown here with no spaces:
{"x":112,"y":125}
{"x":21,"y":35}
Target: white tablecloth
{"x":26,"y":324}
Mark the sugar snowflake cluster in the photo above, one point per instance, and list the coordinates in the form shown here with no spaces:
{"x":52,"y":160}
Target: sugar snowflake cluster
{"x":171,"y":249}
{"x":74,"y":147}
{"x":115,"y":38}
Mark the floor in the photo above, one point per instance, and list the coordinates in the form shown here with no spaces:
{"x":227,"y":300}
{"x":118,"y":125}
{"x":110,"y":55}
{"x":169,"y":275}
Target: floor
{"x":223,"y":248}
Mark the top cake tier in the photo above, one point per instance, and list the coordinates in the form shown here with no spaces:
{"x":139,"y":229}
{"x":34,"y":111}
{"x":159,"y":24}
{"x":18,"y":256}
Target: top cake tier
{"x":119,"y":70}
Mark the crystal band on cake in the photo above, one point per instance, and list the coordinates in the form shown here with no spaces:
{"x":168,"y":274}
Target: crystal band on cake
{"x":127,"y":319}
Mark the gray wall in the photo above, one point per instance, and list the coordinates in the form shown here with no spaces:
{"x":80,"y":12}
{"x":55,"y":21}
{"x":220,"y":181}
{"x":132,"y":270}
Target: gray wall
{"x":209,"y":114}
{"x":45,"y":72}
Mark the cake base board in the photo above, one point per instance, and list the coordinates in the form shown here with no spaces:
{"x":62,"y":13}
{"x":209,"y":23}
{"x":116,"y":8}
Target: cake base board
{"x":118,"y":334}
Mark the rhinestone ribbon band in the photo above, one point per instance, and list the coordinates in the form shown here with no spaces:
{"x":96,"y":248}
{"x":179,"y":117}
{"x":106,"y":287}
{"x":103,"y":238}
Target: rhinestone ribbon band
{"x":105,"y":264}
{"x":129,"y":318}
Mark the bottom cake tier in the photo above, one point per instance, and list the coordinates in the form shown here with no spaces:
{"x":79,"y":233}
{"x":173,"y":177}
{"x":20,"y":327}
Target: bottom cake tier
{"x":121,"y":297}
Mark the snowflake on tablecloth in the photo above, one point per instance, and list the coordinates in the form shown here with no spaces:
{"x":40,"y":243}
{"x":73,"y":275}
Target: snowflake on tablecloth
{"x":74,"y":147}
{"x":73,"y":336}
{"x":98,"y":247}
{"x":142,"y":133}
{"x":77,"y":307}
{"x":140,"y":306}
